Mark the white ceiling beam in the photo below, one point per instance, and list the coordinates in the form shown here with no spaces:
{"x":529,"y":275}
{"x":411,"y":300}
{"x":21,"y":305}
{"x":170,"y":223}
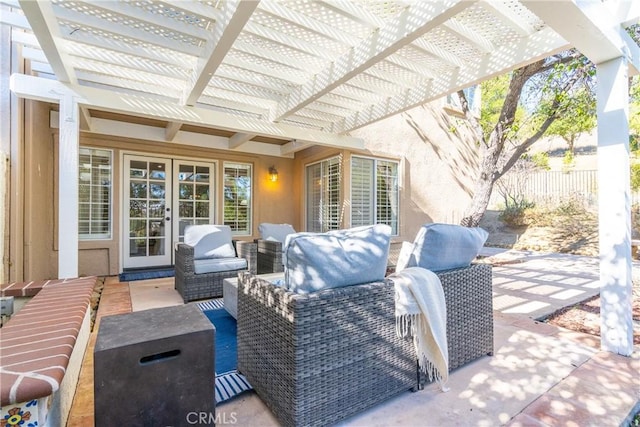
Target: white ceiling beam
{"x":236,"y":101}
{"x":305,"y":21}
{"x":190,"y":139}
{"x":592,"y":29}
{"x":289,"y":42}
{"x":262,"y":54}
{"x":14,"y":19}
{"x":286,"y":75}
{"x":293,"y":146}
{"x":240,"y":138}
{"x":31,"y":87}
{"x":124,"y":61}
{"x":154,"y":19}
{"x":412,"y":23}
{"x":45,"y":27}
{"x":354,"y":12}
{"x":506,"y":57}
{"x":171,"y":130}
{"x":507,"y":16}
{"x":124,"y":84}
{"x":412,"y":66}
{"x":436,"y":51}
{"x":465,"y":33}
{"x":234,"y":18}
{"x":83,"y":19}
{"x":152,"y":53}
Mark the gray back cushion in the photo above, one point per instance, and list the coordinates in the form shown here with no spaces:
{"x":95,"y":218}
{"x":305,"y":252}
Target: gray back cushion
{"x":210,"y":241}
{"x":317,"y":261}
{"x":276,"y":232}
{"x":440,"y":247}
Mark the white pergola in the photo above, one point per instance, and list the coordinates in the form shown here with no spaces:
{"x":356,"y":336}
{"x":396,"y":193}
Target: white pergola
{"x":275,"y":77}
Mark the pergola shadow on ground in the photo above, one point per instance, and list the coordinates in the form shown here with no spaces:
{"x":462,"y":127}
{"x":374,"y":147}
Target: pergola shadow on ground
{"x":539,"y":374}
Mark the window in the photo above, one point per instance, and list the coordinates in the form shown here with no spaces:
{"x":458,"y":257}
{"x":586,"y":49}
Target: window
{"x":94,"y":194}
{"x":374,"y":192}
{"x":237,"y":198}
{"x":324,"y":197}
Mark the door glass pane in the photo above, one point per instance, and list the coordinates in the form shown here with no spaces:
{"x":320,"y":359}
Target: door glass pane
{"x":138,"y":189}
{"x":156,"y":191}
{"x":137,"y":209}
{"x":156,"y":171}
{"x":138,"y":169}
{"x":194,"y":195}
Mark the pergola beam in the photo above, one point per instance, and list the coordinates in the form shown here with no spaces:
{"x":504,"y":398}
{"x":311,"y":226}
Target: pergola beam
{"x":412,"y":23}
{"x":234,"y":17}
{"x":31,"y":87}
{"x":239,"y":139}
{"x":593,"y":29}
{"x":45,"y":27}
{"x":504,"y":58}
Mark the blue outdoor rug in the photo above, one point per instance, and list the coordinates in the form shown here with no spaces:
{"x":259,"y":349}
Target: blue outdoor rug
{"x":229,"y":382}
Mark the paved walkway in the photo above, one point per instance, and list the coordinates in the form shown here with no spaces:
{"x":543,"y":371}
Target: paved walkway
{"x":540,"y":375}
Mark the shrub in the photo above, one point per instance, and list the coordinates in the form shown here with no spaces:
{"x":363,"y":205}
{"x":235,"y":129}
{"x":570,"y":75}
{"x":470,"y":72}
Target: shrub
{"x":635,"y":177}
{"x":516,"y":215}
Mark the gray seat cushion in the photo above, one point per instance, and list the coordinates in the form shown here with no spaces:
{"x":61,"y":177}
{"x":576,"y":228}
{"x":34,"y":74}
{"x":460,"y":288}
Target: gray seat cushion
{"x":216,"y":265}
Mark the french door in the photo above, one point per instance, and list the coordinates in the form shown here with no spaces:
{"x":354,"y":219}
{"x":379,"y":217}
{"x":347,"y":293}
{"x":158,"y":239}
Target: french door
{"x":161,"y":197}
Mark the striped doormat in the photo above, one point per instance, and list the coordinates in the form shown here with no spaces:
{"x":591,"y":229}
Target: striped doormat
{"x":229,"y":383}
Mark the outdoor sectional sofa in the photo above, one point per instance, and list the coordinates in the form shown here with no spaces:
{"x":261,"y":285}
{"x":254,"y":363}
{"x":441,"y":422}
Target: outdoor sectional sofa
{"x":319,"y":357}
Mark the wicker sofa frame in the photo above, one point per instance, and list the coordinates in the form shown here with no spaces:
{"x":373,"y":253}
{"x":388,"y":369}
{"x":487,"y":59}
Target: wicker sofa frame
{"x":192,"y":286}
{"x":269,"y":256}
{"x":319,"y":358}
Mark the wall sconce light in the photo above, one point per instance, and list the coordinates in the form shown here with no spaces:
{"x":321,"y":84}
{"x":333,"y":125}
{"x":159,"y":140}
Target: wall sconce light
{"x":273,"y":174}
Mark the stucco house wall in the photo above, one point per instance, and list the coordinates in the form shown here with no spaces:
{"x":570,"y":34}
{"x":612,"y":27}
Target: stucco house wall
{"x":439,"y":163}
{"x":437,"y":158}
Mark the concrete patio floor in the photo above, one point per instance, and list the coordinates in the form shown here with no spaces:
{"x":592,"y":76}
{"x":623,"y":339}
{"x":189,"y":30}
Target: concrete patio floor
{"x":539,"y":374}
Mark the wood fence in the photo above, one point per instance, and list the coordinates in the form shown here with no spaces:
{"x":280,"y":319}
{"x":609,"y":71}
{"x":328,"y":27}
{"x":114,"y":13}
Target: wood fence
{"x":555,"y":186}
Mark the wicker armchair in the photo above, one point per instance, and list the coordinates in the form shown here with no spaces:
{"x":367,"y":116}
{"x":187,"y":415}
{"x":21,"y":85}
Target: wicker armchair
{"x":318,"y":358}
{"x":269,"y":256}
{"x":270,"y":244}
{"x":194,"y":286}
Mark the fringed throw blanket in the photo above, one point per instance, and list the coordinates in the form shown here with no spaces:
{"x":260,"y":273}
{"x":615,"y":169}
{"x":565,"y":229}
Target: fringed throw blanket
{"x":421,"y":313}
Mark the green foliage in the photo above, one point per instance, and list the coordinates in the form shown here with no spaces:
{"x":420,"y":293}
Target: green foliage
{"x":635,"y":177}
{"x":493,"y":92}
{"x":568,"y":161}
{"x":541,"y":160}
{"x":634,"y":114}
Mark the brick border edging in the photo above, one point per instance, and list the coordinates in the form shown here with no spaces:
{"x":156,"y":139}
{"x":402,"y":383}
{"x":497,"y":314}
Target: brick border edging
{"x":38,"y":341}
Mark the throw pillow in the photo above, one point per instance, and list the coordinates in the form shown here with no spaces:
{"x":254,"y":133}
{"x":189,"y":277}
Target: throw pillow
{"x":317,"y":261}
{"x":210,"y":241}
{"x":277,"y":232}
{"x":445,"y":246}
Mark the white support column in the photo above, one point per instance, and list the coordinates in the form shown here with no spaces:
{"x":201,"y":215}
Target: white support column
{"x":68,"y":152}
{"x":614,"y":202}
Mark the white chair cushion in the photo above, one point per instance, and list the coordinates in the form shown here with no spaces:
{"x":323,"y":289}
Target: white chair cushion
{"x":317,"y":261}
{"x":216,"y":265}
{"x":440,"y":247}
{"x":275,"y":232}
{"x":210,"y":241}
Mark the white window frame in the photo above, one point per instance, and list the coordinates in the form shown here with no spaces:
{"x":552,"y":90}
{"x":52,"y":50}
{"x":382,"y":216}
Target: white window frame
{"x":374,"y":190}
{"x":249,"y":167}
{"x":82,"y":171}
{"x":334,"y":221}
